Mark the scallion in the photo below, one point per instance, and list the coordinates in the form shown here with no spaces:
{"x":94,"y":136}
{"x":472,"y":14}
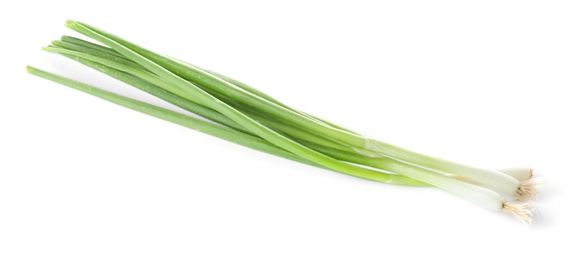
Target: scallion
{"x":249,"y":117}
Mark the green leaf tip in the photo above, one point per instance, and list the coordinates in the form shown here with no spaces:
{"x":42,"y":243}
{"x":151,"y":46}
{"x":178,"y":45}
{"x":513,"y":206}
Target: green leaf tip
{"x":71,"y":23}
{"x":33,"y":71}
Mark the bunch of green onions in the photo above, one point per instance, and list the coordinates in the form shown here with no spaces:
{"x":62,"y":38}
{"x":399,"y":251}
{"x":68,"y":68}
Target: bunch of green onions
{"x":241,"y":114}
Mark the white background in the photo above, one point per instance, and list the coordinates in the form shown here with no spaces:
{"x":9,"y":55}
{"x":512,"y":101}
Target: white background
{"x":483,"y":82}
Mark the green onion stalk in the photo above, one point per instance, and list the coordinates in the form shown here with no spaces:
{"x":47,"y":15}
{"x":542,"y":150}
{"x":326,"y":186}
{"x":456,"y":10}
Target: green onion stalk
{"x":239,"y":113}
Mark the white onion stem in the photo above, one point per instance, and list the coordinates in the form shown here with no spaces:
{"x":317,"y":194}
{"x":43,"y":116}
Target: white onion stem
{"x":519,"y":173}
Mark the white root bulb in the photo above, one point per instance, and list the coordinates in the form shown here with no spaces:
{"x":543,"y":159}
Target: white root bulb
{"x":521,"y":211}
{"x":527,"y":189}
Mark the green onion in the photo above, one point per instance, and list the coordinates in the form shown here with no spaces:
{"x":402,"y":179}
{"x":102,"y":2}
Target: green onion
{"x":247,"y":116}
{"x":75,"y":44}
